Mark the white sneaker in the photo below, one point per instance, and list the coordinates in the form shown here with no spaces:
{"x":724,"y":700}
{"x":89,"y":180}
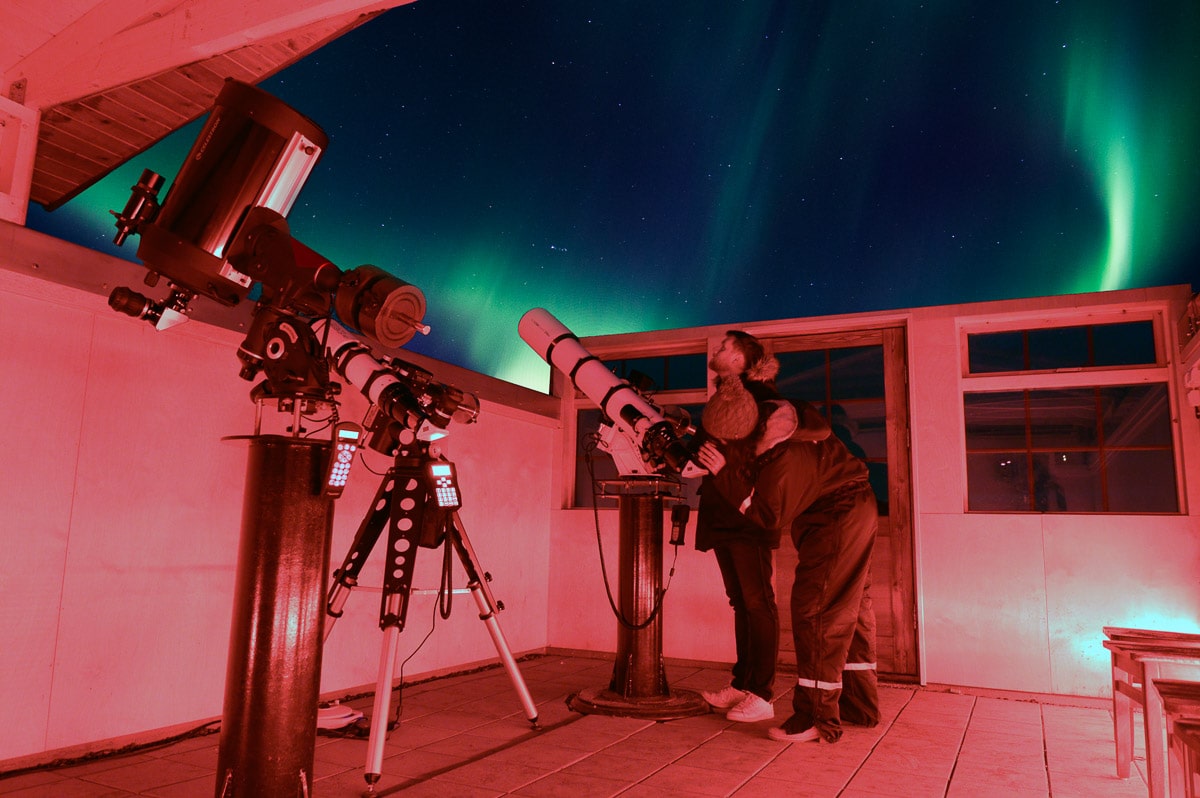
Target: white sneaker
{"x":751,"y":709}
{"x":724,"y":698}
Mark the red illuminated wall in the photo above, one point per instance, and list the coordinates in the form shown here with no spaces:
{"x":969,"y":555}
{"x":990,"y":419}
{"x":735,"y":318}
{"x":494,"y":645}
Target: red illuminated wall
{"x":121,"y":510}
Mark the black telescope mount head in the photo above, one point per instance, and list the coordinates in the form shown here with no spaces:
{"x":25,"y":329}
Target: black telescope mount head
{"x":221,"y":233}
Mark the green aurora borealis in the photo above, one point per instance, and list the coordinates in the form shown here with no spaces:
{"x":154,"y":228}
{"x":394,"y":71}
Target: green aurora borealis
{"x":634,"y":166}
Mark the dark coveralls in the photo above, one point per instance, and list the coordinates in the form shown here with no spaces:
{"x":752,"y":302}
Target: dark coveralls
{"x":820,"y":491}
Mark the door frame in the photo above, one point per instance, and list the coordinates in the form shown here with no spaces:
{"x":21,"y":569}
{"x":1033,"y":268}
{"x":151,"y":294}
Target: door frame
{"x":894,"y":583}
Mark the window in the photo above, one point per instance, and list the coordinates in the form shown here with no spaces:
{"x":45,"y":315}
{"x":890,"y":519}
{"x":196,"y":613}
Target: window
{"x":1084,"y":439}
{"x":1084,"y":346}
{"x":594,"y":465}
{"x":665,"y":372}
{"x":846,"y":385}
{"x":1081,"y":450}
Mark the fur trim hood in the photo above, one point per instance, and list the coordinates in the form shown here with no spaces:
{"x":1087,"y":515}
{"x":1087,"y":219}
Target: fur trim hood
{"x":764,"y":370}
{"x":786,"y":422}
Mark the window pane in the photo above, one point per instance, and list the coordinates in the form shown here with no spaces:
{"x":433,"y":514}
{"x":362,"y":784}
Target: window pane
{"x":593,"y":464}
{"x":654,"y":369}
{"x":856,"y":373}
{"x":665,"y":373}
{"x":686,"y":371}
{"x":998,"y":482}
{"x":995,"y":420}
{"x":862,"y":427}
{"x":1141,"y":482}
{"x":1058,"y":348}
{"x":1049,"y":495}
{"x":1067,"y":482}
{"x":1086,"y":346}
{"x":1062,"y":419}
{"x":988,"y":352}
{"x":1071,"y":466}
{"x":853,"y":376}
{"x":1128,"y":344}
{"x":802,"y":375}
{"x":1136,"y":415}
{"x":602,"y":465}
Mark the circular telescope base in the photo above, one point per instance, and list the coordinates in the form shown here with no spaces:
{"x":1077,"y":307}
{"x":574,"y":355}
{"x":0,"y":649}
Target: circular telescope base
{"x":679,"y":704}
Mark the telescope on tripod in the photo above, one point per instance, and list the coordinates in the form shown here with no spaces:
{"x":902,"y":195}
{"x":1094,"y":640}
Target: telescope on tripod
{"x":220,"y":233}
{"x":417,"y":501}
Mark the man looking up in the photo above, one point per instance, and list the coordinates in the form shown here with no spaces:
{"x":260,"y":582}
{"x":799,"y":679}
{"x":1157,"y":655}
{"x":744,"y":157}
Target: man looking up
{"x":744,"y":552}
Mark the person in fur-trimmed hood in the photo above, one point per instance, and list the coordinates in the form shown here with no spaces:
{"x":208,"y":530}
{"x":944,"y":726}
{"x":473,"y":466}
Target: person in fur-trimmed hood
{"x":743,"y":373}
{"x":818,"y":491}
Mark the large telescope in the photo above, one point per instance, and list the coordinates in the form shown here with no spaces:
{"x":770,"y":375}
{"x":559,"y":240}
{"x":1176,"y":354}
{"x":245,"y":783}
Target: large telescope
{"x":645,"y":441}
{"x":221,"y":233}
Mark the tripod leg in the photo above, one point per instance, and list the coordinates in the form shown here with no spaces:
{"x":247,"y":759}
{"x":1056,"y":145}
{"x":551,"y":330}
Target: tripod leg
{"x":403,"y":528}
{"x":345,"y":578}
{"x":487,"y":614}
{"x":379,"y":712}
{"x":488,"y":607}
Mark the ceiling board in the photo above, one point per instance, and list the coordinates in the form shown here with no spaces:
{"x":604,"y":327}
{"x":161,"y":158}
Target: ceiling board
{"x":82,"y":139}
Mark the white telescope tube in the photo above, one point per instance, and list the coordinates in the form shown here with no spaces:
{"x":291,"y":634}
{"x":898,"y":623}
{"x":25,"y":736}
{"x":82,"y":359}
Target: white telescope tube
{"x":633,"y":416}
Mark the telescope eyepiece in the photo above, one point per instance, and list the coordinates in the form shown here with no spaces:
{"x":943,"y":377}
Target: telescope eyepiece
{"x":130,"y":302}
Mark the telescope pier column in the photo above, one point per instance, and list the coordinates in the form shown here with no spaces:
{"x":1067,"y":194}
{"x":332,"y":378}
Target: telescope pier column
{"x":273,"y":673}
{"x":638,"y":687}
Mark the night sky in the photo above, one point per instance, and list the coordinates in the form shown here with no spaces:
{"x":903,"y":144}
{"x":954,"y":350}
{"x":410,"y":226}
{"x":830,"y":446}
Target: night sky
{"x":638,"y":166}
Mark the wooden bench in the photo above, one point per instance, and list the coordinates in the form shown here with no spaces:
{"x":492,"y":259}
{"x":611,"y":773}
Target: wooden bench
{"x":1181,"y":704}
{"x":1150,"y":635}
{"x":1186,"y":740}
{"x":1136,"y":664}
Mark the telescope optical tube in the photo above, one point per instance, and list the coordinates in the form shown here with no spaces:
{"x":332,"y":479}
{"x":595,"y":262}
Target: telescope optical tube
{"x":405,"y":393}
{"x":638,"y":419}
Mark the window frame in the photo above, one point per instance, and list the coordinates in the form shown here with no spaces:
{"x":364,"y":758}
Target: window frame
{"x":708,"y":339}
{"x":1072,"y":377}
{"x":967,"y":328}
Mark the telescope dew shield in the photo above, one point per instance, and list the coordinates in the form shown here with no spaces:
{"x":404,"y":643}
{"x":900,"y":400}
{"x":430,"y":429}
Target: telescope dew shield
{"x":253,"y":151}
{"x":559,"y":347}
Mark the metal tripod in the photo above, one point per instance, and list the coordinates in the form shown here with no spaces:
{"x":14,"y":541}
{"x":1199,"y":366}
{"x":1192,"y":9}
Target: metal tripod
{"x":418,"y":501}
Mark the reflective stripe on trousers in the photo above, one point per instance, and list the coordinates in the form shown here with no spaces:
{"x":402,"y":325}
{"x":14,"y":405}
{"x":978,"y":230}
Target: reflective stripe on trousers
{"x":850,"y":666}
